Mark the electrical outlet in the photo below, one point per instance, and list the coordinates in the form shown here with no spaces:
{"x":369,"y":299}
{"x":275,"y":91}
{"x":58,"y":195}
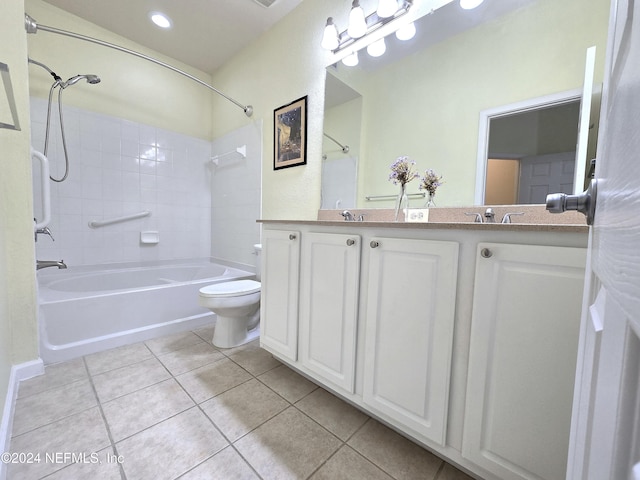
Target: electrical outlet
{"x":417,"y":215}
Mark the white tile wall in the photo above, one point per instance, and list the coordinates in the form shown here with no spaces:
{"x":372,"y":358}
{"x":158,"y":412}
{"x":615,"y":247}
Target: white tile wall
{"x":118,"y":167}
{"x":236,"y":195}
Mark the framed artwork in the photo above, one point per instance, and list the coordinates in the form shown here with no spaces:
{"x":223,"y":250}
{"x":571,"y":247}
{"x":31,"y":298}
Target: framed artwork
{"x":290,"y":134}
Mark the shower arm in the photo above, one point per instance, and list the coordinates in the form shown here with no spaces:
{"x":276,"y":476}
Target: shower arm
{"x":32,"y":26}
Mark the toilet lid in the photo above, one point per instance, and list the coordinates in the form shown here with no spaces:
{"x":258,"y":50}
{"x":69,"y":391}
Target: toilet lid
{"x":230,"y":289}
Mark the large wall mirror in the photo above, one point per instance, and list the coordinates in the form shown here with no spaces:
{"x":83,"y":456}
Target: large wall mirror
{"x":424,"y":98}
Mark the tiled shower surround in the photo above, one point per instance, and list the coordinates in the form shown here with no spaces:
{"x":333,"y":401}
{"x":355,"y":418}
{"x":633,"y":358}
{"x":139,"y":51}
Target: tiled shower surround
{"x":118,"y":167}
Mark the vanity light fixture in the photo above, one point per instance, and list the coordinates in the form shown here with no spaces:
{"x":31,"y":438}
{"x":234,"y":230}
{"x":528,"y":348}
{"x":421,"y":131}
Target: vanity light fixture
{"x":360,"y":25}
{"x":470,"y":4}
{"x":357,"y":21}
{"x":406,"y":32}
{"x":160,"y":19}
{"x":377,"y":48}
{"x":330,"y":39}
{"x":351,"y":60}
{"x":387,"y":8}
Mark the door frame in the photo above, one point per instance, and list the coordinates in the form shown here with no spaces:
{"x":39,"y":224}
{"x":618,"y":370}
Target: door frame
{"x":487,"y":115}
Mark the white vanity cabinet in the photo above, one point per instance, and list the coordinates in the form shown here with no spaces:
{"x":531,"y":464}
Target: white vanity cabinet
{"x":411,"y":295}
{"x":524,"y":336}
{"x":329,"y":284}
{"x":279,"y":292}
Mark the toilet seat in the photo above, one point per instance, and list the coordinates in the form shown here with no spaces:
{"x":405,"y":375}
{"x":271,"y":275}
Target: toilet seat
{"x":230,"y":289}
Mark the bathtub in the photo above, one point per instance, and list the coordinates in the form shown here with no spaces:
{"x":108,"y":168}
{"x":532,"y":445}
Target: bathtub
{"x":88,"y":309}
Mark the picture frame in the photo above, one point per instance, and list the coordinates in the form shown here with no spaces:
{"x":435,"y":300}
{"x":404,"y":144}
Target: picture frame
{"x":290,"y":134}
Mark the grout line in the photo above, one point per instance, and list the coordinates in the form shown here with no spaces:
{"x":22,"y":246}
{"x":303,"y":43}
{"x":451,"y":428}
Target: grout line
{"x":104,"y":419}
{"x":440,"y":470}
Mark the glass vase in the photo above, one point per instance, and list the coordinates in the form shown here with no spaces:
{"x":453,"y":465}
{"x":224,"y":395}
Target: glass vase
{"x":430,"y":203}
{"x":402,"y":201}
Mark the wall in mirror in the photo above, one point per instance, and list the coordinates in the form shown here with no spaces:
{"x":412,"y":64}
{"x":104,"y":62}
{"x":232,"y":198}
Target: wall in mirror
{"x":426,"y":104}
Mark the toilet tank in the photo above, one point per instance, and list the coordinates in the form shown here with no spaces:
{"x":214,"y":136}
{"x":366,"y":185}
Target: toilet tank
{"x":258,"y":251}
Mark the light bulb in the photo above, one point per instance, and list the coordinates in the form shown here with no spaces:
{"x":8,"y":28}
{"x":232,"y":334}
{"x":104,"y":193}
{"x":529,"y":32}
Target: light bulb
{"x":470,"y":4}
{"x":406,"y":32}
{"x":330,"y":39}
{"x":357,"y":22}
{"x":160,"y":19}
{"x":387,"y":8}
{"x":377,"y":48}
{"x":351,"y":60}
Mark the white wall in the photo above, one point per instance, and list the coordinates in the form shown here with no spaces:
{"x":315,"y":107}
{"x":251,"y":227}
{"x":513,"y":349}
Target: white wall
{"x":18,"y":337}
{"x":235,"y":195}
{"x":119,"y":167}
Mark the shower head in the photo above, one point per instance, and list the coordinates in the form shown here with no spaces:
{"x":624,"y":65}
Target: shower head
{"x":92,"y":79}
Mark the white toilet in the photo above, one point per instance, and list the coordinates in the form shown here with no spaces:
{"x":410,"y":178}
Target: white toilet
{"x":237,"y":306}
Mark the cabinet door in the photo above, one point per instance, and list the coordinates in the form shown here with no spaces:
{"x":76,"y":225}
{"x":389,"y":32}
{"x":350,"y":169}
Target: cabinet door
{"x":329,"y":286}
{"x":524,"y":338}
{"x":409,"y":331}
{"x":279,"y":299}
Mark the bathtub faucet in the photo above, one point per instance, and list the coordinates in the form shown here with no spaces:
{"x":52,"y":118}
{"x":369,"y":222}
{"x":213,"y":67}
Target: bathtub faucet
{"x":50,"y":263}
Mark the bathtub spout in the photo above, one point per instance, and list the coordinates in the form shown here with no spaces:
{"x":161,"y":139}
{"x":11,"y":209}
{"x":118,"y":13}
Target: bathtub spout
{"x":50,"y":263}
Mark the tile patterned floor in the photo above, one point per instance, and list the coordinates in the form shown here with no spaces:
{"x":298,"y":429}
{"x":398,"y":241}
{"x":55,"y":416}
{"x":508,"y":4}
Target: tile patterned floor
{"x":178,"y":408}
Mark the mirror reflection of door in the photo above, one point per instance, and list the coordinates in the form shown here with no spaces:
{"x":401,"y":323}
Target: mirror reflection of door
{"x":532,"y":154}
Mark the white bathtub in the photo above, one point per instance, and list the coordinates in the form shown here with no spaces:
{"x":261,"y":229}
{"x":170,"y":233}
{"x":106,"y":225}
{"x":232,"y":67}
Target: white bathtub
{"x":88,"y":309}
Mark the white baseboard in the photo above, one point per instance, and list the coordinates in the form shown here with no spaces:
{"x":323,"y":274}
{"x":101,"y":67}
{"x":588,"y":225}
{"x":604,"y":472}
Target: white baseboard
{"x":19,"y":372}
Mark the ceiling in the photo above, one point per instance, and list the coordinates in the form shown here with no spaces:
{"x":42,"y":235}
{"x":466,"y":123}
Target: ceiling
{"x":204,"y":35}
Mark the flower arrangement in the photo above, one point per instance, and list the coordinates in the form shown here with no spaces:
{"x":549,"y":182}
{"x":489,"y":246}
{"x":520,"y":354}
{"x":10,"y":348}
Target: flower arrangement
{"x":402,"y":171}
{"x":430,"y":182}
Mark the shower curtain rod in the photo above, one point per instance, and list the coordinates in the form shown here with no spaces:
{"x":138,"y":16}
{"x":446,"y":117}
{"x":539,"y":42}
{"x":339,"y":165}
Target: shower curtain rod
{"x":31,"y":26}
{"x":345,"y":148}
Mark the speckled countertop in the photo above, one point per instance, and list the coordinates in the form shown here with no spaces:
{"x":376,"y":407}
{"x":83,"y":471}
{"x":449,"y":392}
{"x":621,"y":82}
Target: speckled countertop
{"x":535,"y":219}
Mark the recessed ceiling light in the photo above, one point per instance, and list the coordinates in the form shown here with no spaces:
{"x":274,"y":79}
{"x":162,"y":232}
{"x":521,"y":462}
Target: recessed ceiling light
{"x":160,"y":19}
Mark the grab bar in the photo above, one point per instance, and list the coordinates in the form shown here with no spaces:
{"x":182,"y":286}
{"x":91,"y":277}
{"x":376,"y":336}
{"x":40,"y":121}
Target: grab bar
{"x":46,"y":190}
{"x":391,"y":197}
{"x":133,"y":216}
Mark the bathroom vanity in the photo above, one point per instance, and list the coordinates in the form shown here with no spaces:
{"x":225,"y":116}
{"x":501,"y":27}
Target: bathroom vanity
{"x":462,"y":336}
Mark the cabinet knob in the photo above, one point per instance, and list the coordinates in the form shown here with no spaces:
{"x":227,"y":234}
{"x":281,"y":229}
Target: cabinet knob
{"x":350,"y":242}
{"x":292,"y":236}
{"x":374,"y":244}
{"x":486,"y":253}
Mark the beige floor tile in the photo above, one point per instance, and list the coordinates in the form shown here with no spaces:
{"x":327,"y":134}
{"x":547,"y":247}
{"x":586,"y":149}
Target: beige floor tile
{"x":241,"y":409}
{"x":205,"y":333}
{"x":191,"y":357}
{"x":332,"y":413}
{"x":170,"y":448}
{"x":45,"y":407}
{"x":254,"y":359}
{"x":83,"y":432}
{"x":115,"y":383}
{"x":171,"y":343}
{"x":287,"y":383}
{"x":289,"y":446}
{"x":116,"y":358}
{"x":102,"y":466}
{"x":226,"y":464}
{"x":55,"y":375}
{"x":213,"y":379}
{"x":449,"y":472}
{"x":347,"y":464}
{"x":136,"y":411}
{"x":399,"y":457}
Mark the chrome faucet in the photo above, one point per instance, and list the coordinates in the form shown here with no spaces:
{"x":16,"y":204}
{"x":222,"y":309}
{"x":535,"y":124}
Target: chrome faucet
{"x":507,"y":217}
{"x":43,"y":231}
{"x":348,"y":216}
{"x":489,"y":216}
{"x":50,"y":263}
{"x":478,"y":217}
